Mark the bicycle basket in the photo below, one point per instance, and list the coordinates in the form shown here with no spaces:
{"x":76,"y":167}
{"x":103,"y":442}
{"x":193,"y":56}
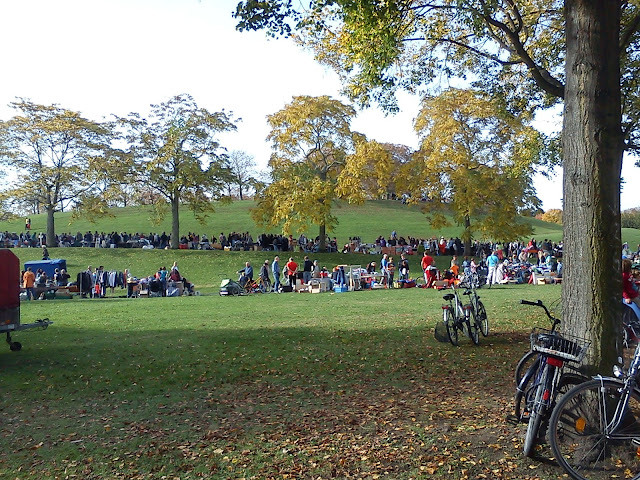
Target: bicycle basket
{"x":567,"y":347}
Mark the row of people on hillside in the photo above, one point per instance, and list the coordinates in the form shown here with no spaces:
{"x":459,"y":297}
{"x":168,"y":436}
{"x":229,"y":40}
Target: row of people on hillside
{"x":267,"y":241}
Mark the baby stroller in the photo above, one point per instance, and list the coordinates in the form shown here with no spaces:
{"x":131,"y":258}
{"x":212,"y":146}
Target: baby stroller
{"x":230,"y":288}
{"x":188,"y":287}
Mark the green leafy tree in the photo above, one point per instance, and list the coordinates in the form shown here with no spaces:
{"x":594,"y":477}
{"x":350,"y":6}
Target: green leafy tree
{"x":531,"y":53}
{"x":317,"y":159}
{"x":475,"y":163}
{"x":178,"y":157}
{"x":58,"y":157}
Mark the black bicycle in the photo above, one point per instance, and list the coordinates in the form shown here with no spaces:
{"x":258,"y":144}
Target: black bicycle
{"x":457,"y":318}
{"x":595,"y":428}
{"x":478,"y":312}
{"x":545,"y":379}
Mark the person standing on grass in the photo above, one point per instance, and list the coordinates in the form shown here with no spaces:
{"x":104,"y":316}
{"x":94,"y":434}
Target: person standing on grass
{"x":429,"y":269}
{"x":101,"y":282}
{"x":29,"y":282}
{"x":292,"y":270}
{"x":391,"y":270}
{"x":162,"y":276}
{"x":404,"y":267}
{"x":492,"y":264}
{"x":316,"y":270}
{"x":384,"y":269}
{"x":264,"y":273}
{"x":275,"y":269}
{"x":307,"y":267}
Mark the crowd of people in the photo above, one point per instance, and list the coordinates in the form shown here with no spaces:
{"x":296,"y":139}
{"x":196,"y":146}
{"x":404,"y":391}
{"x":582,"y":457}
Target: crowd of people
{"x":191,"y":241}
{"x":97,"y":282}
{"x":282,"y":243}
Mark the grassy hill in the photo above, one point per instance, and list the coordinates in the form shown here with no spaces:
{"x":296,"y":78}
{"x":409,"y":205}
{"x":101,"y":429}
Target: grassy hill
{"x":368,"y":221}
{"x":207,"y":268}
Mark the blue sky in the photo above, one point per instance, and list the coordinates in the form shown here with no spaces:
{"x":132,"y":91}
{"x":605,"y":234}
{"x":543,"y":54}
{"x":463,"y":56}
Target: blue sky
{"x":103,"y":57}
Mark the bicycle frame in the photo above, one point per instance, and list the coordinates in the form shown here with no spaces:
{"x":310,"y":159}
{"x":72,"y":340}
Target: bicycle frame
{"x":474,"y":298}
{"x":555,"y":366}
{"x":628,"y":384}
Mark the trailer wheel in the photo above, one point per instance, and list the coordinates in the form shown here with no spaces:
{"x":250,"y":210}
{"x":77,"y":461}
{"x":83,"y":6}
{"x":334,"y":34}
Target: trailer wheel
{"x":15,"y":346}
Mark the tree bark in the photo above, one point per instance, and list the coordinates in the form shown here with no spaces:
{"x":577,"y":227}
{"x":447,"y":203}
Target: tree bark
{"x":467,"y":236}
{"x":175,"y":221}
{"x":323,"y":238}
{"x":592,"y":146}
{"x":51,"y":226}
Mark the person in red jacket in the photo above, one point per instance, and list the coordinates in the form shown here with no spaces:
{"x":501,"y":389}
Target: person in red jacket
{"x":429,"y":269}
{"x":629,"y":288}
{"x":292,"y":269}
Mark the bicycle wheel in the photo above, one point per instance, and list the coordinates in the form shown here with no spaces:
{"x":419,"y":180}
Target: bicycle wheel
{"x":524,"y":391}
{"x":481,"y":319}
{"x":450,"y":321}
{"x":524,"y":364}
{"x":578,"y":438}
{"x":536,"y":414}
{"x":472,"y":328}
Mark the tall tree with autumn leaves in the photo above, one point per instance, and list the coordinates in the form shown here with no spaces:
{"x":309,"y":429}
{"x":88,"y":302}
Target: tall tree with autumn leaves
{"x":316,"y":160}
{"x":475,"y":163}
{"x":178,"y":156}
{"x":59,"y":157}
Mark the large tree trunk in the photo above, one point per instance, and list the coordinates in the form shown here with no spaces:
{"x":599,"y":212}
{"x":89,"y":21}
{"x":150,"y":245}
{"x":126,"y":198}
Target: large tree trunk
{"x":466,"y":237}
{"x":175,"y":221}
{"x":592,"y":143}
{"x":51,"y":226}
{"x":323,"y":238}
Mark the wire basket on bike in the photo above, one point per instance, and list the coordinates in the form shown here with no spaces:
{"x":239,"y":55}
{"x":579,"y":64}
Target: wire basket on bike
{"x":567,"y":347}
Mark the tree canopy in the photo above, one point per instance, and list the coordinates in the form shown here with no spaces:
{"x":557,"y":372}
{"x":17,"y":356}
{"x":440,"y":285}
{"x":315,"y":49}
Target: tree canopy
{"x":475,"y":162}
{"x":59,"y":157}
{"x":177,"y":156}
{"x":317,"y":159}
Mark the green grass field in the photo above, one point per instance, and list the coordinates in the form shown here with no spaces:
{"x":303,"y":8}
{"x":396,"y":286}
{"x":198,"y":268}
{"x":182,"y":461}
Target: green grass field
{"x":350,"y":385}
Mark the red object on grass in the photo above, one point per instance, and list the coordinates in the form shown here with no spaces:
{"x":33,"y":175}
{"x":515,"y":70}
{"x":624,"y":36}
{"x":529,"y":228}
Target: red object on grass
{"x":9,"y":288}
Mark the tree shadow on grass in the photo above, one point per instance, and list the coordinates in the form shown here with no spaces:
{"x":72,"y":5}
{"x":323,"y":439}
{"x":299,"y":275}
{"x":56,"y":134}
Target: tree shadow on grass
{"x":265,"y":402}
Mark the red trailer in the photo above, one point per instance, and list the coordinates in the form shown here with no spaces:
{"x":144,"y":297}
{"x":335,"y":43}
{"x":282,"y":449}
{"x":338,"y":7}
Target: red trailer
{"x":10,"y":299}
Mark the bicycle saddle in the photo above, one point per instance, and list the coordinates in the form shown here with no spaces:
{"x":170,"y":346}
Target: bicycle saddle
{"x":448,"y":296}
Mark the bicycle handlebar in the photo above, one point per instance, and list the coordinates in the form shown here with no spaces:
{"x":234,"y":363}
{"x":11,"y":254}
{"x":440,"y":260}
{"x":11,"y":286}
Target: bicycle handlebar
{"x":529,"y":302}
{"x":539,"y":303}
